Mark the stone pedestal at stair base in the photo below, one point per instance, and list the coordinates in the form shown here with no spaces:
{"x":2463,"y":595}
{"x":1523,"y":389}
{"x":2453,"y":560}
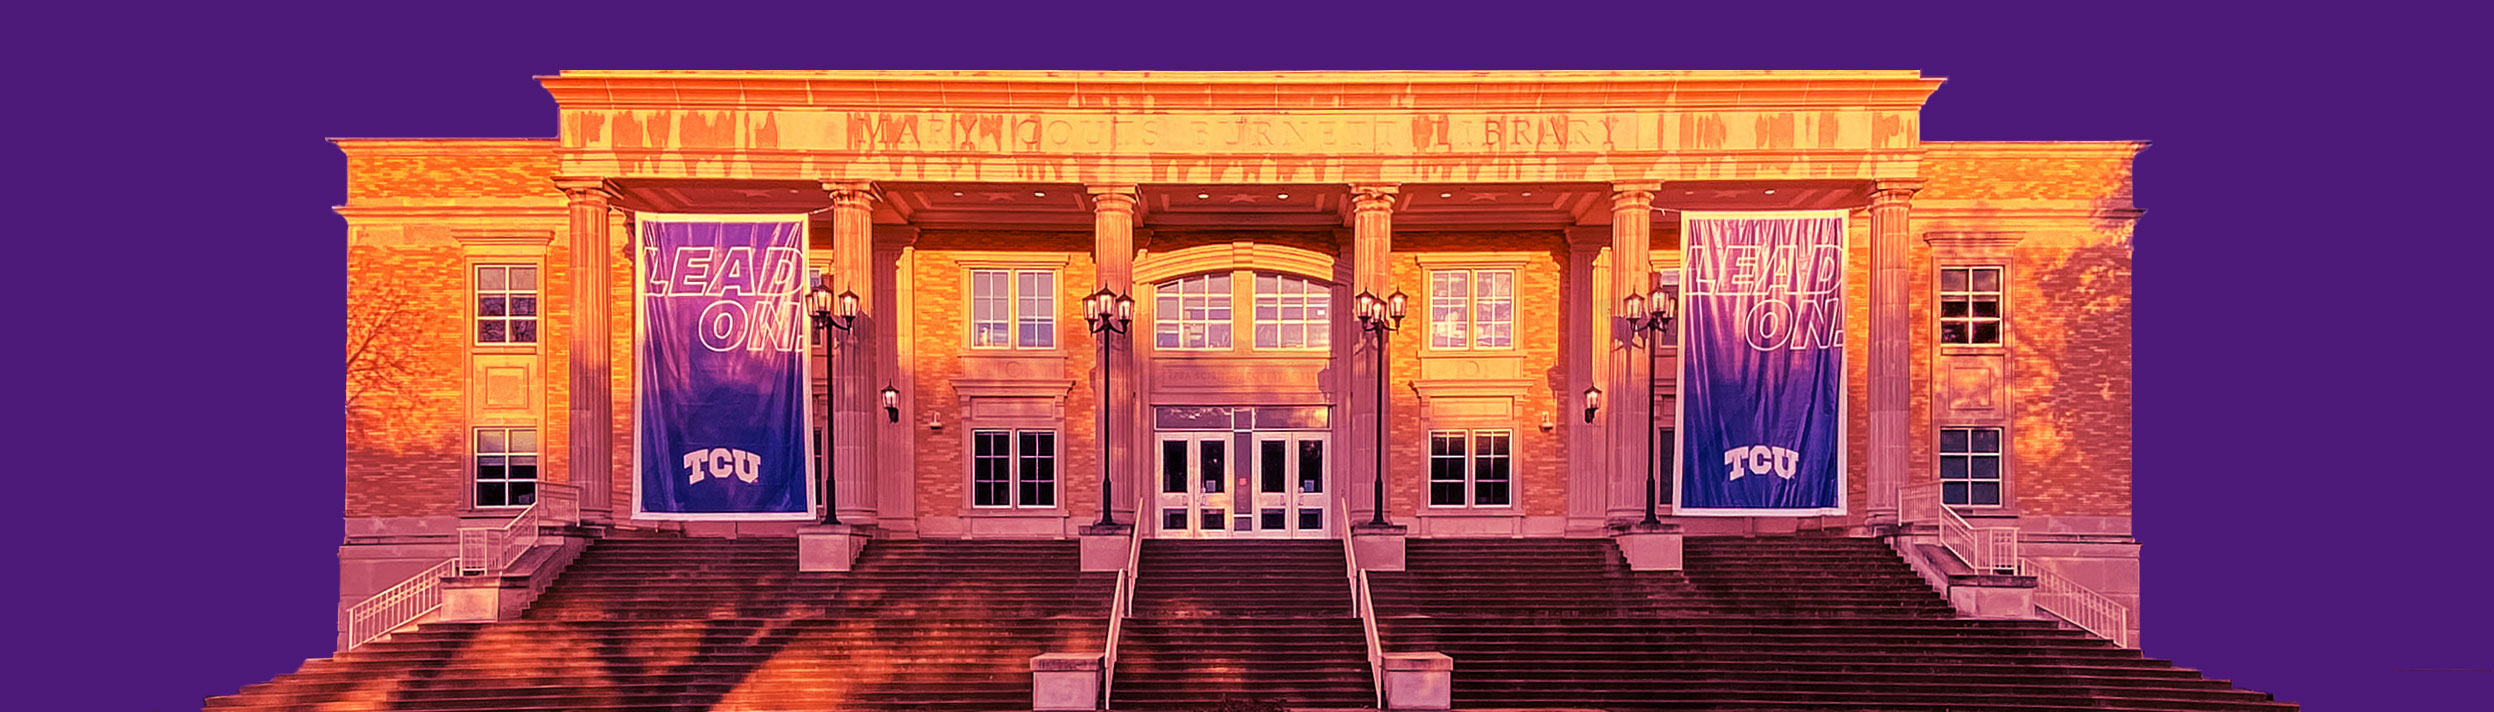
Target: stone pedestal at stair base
{"x":1065,"y":681}
{"x":1379,"y":546}
{"x":1419,"y":681}
{"x":1650,"y":547}
{"x":830,"y":547}
{"x":1104,"y":546}
{"x":477,"y":599}
{"x":1995,"y":596}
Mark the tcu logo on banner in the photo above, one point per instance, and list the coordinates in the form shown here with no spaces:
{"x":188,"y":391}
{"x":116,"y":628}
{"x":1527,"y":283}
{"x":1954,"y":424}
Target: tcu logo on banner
{"x":1762,"y":363}
{"x":721,"y":351}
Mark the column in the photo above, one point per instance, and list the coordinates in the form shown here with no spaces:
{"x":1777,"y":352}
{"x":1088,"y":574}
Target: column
{"x":1624,"y":397}
{"x":590,"y":452}
{"x":1112,"y":251}
{"x":856,"y":414}
{"x":1372,"y":248}
{"x":1890,"y":354}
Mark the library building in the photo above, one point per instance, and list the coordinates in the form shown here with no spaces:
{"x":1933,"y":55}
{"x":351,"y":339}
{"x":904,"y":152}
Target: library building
{"x":1020,"y":390}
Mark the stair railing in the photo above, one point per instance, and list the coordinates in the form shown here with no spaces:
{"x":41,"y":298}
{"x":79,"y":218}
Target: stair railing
{"x":1986,"y":549}
{"x":1121,"y":605}
{"x":398,"y":605}
{"x":490,"y":550}
{"x":1364,"y":605}
{"x":2080,"y":605}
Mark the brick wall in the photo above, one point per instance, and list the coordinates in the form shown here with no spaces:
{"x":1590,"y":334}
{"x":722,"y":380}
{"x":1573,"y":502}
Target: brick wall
{"x":941,"y":304}
{"x":1538,"y":458}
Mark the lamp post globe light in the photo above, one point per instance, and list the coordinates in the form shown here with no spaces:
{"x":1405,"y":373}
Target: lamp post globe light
{"x":1649,"y":317}
{"x":1106,"y":312}
{"x":834,"y":312}
{"x":1381,"y":317}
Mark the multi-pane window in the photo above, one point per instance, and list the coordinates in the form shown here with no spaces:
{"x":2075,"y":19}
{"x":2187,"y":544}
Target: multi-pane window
{"x":506,"y":467}
{"x":1013,"y":468}
{"x":506,"y":304}
{"x":1970,"y":305}
{"x":1292,"y":313}
{"x":1970,"y":466}
{"x":1193,"y":312}
{"x":1472,"y":309}
{"x":1012,"y":308}
{"x":1470,"y":468}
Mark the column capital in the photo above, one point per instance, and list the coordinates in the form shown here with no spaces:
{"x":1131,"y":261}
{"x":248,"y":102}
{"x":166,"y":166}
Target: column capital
{"x":1893,"y":192}
{"x":1373,"y":196}
{"x":1625,"y":198}
{"x":1112,"y":201}
{"x":585,"y":189}
{"x":852,"y":190}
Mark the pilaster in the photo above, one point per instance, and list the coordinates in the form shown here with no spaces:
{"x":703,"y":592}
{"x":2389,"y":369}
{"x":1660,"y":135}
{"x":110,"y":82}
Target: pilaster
{"x":1584,"y":329}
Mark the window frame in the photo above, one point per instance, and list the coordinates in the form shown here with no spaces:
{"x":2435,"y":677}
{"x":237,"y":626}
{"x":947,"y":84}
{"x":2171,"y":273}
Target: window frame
{"x":1013,"y":302}
{"x":476,"y":466}
{"x":1999,"y":455}
{"x":1472,"y":304}
{"x":1471,"y":459}
{"x":1160,"y":290}
{"x":1999,"y":298}
{"x":476,"y":298}
{"x":1016,"y":459}
{"x":1319,"y":330}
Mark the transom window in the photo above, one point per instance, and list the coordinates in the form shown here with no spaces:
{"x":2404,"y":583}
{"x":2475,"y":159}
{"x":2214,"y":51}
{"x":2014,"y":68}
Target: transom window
{"x":1013,"y":468}
{"x":506,"y":467}
{"x":1292,"y":313}
{"x":1472,"y":309}
{"x":1970,"y":466}
{"x":1970,"y":305}
{"x":1469,"y":468}
{"x":1193,"y":312}
{"x":1012,"y":309}
{"x":506,"y":304}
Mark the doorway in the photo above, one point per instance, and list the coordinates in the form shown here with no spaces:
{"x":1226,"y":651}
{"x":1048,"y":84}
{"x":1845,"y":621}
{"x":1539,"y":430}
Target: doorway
{"x":1244,"y":484}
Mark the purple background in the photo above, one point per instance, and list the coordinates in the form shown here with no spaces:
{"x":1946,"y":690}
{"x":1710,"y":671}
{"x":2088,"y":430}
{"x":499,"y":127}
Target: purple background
{"x":2311,"y":503}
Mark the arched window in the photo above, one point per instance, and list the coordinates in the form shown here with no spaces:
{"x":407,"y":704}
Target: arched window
{"x":1292,"y":313}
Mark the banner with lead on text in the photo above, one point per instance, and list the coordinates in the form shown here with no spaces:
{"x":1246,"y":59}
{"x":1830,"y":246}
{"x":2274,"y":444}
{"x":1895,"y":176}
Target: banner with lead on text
{"x":1762,"y":371}
{"x":721,"y":402}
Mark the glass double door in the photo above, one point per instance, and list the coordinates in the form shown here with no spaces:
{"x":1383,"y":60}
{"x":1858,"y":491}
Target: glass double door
{"x":1244,"y":484}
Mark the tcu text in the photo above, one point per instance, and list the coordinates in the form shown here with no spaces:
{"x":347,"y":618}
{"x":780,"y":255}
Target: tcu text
{"x":722,"y":463}
{"x":1759,"y":460}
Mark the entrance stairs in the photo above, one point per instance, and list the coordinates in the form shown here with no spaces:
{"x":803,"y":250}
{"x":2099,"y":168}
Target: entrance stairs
{"x":648,"y":622}
{"x":1239,"y":622}
{"x":1780,"y":623}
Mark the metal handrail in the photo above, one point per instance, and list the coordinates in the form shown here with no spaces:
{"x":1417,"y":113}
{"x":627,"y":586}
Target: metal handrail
{"x":398,"y":605}
{"x":489,"y":551}
{"x":1121,"y":605}
{"x":2081,"y":606}
{"x":1364,"y":605}
{"x":1986,"y":549}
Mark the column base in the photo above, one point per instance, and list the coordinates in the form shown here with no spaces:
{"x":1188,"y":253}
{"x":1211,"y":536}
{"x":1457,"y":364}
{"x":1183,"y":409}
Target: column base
{"x":1379,"y":546}
{"x":1065,"y":682}
{"x":830,"y":547}
{"x":1104,"y":547}
{"x":1419,"y":681}
{"x":1650,"y":547}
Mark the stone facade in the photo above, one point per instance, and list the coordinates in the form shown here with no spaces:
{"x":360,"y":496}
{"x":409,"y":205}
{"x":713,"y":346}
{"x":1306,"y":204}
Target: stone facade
{"x":951,"y":172}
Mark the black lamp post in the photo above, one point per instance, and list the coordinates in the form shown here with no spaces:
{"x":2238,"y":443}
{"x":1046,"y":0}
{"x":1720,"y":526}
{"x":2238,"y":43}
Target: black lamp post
{"x":1650,"y":316}
{"x":1383,"y":318}
{"x":829,"y":313}
{"x":1106,"y":312}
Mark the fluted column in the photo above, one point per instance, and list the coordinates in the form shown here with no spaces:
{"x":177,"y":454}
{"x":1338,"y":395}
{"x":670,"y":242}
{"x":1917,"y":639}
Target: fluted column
{"x":1112,"y":250}
{"x":1624,"y":397}
{"x":856,"y":415}
{"x":1372,"y":249}
{"x":590,"y":450}
{"x":1891,"y":356}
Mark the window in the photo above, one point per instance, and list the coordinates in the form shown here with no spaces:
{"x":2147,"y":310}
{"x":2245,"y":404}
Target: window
{"x":1970,"y":466}
{"x":506,"y":304}
{"x":506,"y":467}
{"x":1469,"y":468}
{"x":1193,"y":313}
{"x":1970,"y":305}
{"x":1013,"y":468}
{"x":1664,"y":477}
{"x":1472,"y":309}
{"x":1292,"y":313}
{"x":1012,"y":309}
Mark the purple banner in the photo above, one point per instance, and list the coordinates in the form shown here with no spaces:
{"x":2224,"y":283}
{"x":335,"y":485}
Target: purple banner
{"x":1761,"y":423}
{"x":722,"y":392}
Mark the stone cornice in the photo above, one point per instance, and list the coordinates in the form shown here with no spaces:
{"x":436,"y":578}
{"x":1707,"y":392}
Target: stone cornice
{"x":1395,"y":90}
